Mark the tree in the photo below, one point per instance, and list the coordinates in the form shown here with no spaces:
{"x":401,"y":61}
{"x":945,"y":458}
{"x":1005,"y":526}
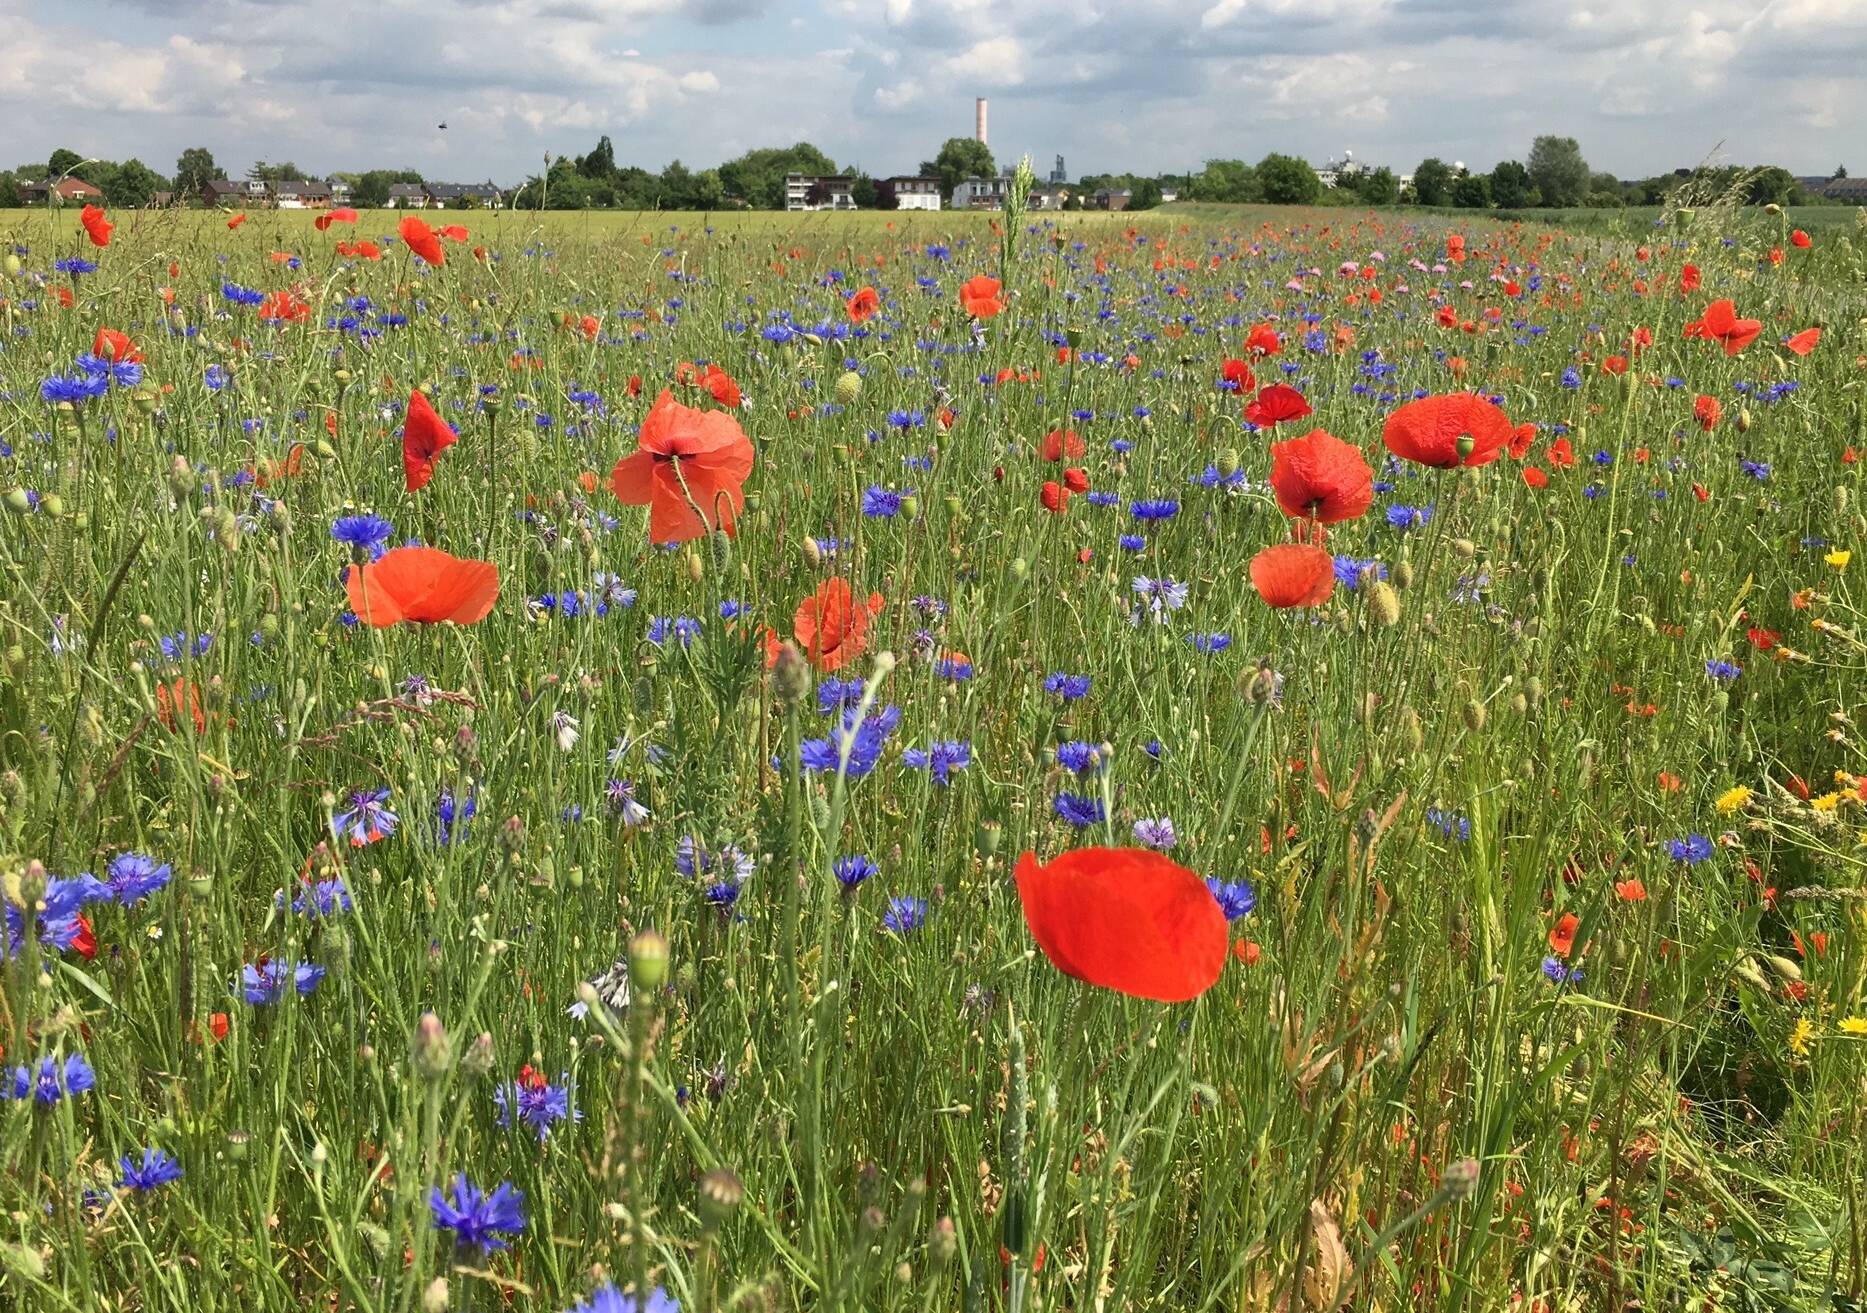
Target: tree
{"x":1231,"y":181}
{"x":1472,"y":191}
{"x":132,"y":185}
{"x":959,"y":159}
{"x":1510,"y":185}
{"x":1841,"y":171}
{"x":62,"y":162}
{"x":1287,"y":180}
{"x":1380,"y":187}
{"x":1559,"y":171}
{"x":863,"y":192}
{"x":1770,"y":185}
{"x":1432,"y":182}
{"x":195,"y":170}
{"x":286,"y":172}
{"x":1145,"y":194}
{"x":9,"y":192}
{"x":600,"y":162}
{"x":757,"y":177}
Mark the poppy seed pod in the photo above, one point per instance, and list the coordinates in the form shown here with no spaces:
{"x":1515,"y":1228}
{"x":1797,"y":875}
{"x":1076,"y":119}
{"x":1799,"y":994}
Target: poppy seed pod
{"x":987,"y":840}
{"x":721,"y":1192}
{"x":12,"y":265}
{"x":648,"y":961}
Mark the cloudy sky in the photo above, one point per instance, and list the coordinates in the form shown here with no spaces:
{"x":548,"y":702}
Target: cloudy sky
{"x":1113,"y":85}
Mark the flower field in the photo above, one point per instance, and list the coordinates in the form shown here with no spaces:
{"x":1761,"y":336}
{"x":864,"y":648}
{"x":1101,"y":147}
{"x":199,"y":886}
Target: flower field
{"x":1242,"y":760}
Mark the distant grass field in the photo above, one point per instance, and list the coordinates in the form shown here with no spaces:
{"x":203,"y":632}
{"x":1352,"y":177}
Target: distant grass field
{"x":781,"y":919}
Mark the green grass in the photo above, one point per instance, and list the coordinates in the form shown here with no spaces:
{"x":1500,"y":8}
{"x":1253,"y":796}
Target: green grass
{"x":940,"y":1119}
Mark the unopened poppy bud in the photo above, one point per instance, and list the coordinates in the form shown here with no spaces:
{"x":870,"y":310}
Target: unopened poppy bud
{"x":1772,"y":208}
{"x":1743,"y":419}
{"x":1533,"y":687}
{"x":376,"y":1238}
{"x":1383,"y":603}
{"x":432,"y":1051}
{"x":325,"y":450}
{"x":990,"y":832}
{"x":1783,"y":967}
{"x":696,"y":569}
{"x":1465,"y":547}
{"x":812,"y":552}
{"x":1841,"y":501}
{"x":1473,"y":714}
{"x":478,"y":1059}
{"x":12,"y":264}
{"x":1228,"y":462}
{"x":181,"y":478}
{"x":790,"y":675}
{"x":721,"y":1192}
{"x":1519,"y":703}
{"x":18,"y":501}
{"x":1403,"y":574}
{"x":848,"y":387}
{"x":648,"y":960}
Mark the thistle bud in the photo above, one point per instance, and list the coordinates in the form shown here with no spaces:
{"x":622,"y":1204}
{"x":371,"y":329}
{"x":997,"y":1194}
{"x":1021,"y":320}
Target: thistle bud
{"x":1383,"y":603}
{"x":943,"y":1244}
{"x":1460,"y":1180}
{"x":478,"y":1059}
{"x":432,"y":1051}
{"x":848,"y":387}
{"x":648,"y":961}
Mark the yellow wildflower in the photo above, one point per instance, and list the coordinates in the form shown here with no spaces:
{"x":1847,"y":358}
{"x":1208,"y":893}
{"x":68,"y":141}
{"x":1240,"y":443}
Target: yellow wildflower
{"x":1839,"y":559}
{"x":1826,"y":803}
{"x":1732,"y":799}
{"x":1853,"y":1026}
{"x":1799,"y":1037}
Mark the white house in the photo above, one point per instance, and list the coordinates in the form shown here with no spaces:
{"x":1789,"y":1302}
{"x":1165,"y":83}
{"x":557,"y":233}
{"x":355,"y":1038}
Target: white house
{"x":910,"y":193}
{"x":981,"y":194}
{"x":802,"y":191}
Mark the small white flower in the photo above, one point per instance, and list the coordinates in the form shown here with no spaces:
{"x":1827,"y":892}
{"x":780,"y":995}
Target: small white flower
{"x":564,"y":726}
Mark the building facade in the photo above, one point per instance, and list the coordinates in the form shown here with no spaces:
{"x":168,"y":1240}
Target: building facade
{"x":908,"y":193}
{"x":803,"y":191}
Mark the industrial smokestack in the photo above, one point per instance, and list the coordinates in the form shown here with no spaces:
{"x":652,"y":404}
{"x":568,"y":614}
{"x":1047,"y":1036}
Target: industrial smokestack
{"x":978,"y":117}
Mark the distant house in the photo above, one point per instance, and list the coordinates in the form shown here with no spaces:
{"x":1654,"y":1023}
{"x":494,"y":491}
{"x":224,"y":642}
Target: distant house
{"x":301,"y":194}
{"x":1813,"y":186}
{"x":1112,"y":198}
{"x":66,"y":191}
{"x":803,"y":191}
{"x":483,"y":194}
{"x":1168,"y":195}
{"x":408,"y":196}
{"x":908,"y":193}
{"x":340,"y":192}
{"x":161,"y":200}
{"x":1851,"y":190}
{"x":217,"y":192}
{"x":1049,"y":196}
{"x":981,"y":193}
{"x":443,"y":194}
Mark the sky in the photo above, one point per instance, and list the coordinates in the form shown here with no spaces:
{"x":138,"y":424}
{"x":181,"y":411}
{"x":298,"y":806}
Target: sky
{"x":1113,"y":85}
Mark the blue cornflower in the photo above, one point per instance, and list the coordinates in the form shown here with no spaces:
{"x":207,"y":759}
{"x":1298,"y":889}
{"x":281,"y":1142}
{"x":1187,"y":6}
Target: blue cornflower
{"x":1571,"y":378}
{"x":1080,"y":811}
{"x":74,"y":264}
{"x":1161,"y":595}
{"x":1164,"y":508}
{"x":1132,"y":542}
{"x":1723,"y":671}
{"x":1210,"y":644}
{"x":1691,"y":850}
{"x":954,"y":666}
{"x":1450,"y":823}
{"x":1077,"y":756}
{"x":539,"y":1104}
{"x":50,"y":1081}
{"x":1070,"y":688}
{"x":367,"y":819}
{"x":451,"y":815}
{"x":607,"y":1299}
{"x":1236,"y":898}
{"x":695,"y":861}
{"x":1211,"y":478}
{"x":216,"y":377}
{"x":73,"y":388}
{"x":864,"y":740}
{"x":1409,"y":517}
{"x":881,"y":503}
{"x":1351,"y":570}
{"x":942,"y":757}
{"x":1756,"y":470}
{"x":324,"y":898}
{"x":363,"y":533}
{"x":833,"y":693}
{"x":241,"y":295}
{"x":132,"y":877}
{"x":476,"y":1217}
{"x":853,"y":870}
{"x":1100,"y":498}
{"x":155,"y":1170}
{"x":265,"y":984}
{"x":723,"y":895}
{"x":1560,"y":973}
{"x":905,"y":914}
{"x":1155,"y":832}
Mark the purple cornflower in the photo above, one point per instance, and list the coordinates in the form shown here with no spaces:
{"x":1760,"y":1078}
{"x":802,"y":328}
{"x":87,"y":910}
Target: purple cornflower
{"x":1079,"y":811}
{"x":1236,"y":898}
{"x":1068,"y":687}
{"x":1560,"y":973}
{"x":942,"y":757}
{"x":1156,"y":833}
{"x":132,"y":877}
{"x":476,"y":1217}
{"x":1691,"y":850}
{"x":365,"y":535}
{"x":156,"y":1169}
{"x":851,"y":871}
{"x":537,"y":1103}
{"x":367,"y":819}
{"x":905,"y":914}
{"x":606,"y":1298}
{"x":265,"y":984}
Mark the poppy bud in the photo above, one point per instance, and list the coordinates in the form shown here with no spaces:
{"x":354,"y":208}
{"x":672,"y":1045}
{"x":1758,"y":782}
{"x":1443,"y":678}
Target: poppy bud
{"x":1743,"y":419}
{"x":478,"y":1060}
{"x":696,"y":570}
{"x":1228,"y":462}
{"x":1473,"y":715}
{"x":181,"y":478}
{"x":1772,"y":208}
{"x":848,"y":387}
{"x":12,"y":264}
{"x":1403,"y":574}
{"x":432,"y":1051}
{"x":790,"y":675}
{"x":17,"y":501}
{"x":1384,"y":603}
{"x":1519,"y":703}
{"x":812,"y":552}
{"x":1020,"y":569}
{"x":434,"y":1298}
{"x":15,"y":659}
{"x":1465,"y":547}
{"x":648,"y":961}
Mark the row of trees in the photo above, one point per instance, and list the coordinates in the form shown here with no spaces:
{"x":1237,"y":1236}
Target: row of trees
{"x":133,"y":184}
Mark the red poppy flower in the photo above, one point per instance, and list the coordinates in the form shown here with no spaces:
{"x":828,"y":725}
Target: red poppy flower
{"x":269,"y":472}
{"x":685,"y":452}
{"x":1293,"y":574}
{"x":115,"y":347}
{"x":1762,"y":639}
{"x":829,"y":625}
{"x":329,"y":217}
{"x":1262,"y":340}
{"x":1239,"y":375}
{"x":235,"y":222}
{"x":181,"y":698}
{"x":424,"y":436}
{"x":1534,"y":476}
{"x":1562,"y":936}
{"x":1720,"y":323}
{"x":96,"y":226}
{"x":718,"y":383}
{"x":423,"y":585}
{"x":1707,"y":411}
{"x":420,"y":239}
{"x":1076,"y":480}
{"x":1521,"y":439}
{"x":84,"y":943}
{"x":1054,"y":496}
{"x":1799,"y":240}
{"x":283,"y":307}
{"x":1455,"y":248}
{"x":1430,"y":430}
{"x":863,"y":304}
{"x":454,"y":233}
{"x":1318,"y":475}
{"x":1275,"y":404}
{"x":1059,"y":443}
{"x":1688,"y":278}
{"x":1562,"y":453}
{"x":1125,"y":919}
{"x":979,"y":297}
{"x":1804,"y":342}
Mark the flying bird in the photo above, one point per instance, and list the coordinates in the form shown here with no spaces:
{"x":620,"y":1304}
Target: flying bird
{"x":443,"y":127}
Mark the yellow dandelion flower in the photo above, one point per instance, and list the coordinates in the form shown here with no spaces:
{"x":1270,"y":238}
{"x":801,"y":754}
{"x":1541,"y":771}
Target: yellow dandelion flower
{"x":1839,"y":559}
{"x":1826,"y":803}
{"x":1799,"y":1037}
{"x":1852,"y":1026}
{"x":1732,"y":799}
